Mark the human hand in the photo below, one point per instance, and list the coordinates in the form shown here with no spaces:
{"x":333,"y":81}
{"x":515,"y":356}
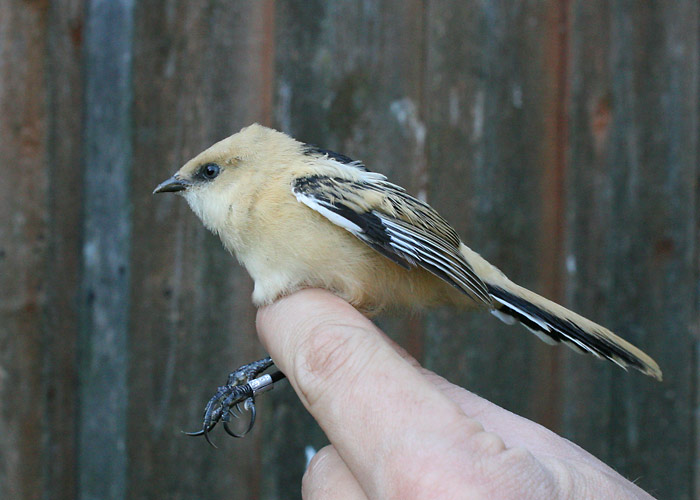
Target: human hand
{"x":400,"y":431}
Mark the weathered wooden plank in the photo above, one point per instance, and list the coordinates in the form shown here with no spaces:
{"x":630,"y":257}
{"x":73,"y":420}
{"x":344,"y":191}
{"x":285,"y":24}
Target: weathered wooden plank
{"x":589,"y":205}
{"x":462,"y":102}
{"x":64,"y":167}
{"x":202,"y":70}
{"x":23,"y":245}
{"x":633,"y":231}
{"x":492,"y":86}
{"x":103,"y":362}
{"x":349,"y":78}
{"x":40,"y":147}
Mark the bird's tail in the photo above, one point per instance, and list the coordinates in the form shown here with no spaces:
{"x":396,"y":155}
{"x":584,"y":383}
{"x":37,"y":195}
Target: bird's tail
{"x":554,"y":323}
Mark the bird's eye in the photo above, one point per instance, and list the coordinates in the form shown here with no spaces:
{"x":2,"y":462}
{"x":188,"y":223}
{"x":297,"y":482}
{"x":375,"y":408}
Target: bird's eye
{"x":210,"y":171}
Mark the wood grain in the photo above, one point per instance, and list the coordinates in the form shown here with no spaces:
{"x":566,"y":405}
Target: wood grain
{"x":349,"y":77}
{"x":40,"y":150}
{"x":104,"y":343}
{"x":23,"y":144}
{"x":633,"y":231}
{"x":201,"y":72}
{"x":559,"y":137}
{"x":491,"y":153}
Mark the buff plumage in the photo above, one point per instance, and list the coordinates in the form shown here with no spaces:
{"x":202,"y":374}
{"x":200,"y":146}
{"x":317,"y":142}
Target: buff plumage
{"x":298,"y":216}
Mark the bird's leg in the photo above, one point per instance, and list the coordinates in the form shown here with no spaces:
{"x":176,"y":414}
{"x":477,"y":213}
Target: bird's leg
{"x":241,"y":386}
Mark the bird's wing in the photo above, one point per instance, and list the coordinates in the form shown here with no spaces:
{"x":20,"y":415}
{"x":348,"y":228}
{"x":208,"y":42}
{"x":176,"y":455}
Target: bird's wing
{"x":397,"y":225}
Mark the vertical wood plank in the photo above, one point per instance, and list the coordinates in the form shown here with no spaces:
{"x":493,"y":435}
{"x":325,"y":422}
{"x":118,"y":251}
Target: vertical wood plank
{"x":102,"y":459}
{"x":202,"y":70}
{"x":40,"y":147}
{"x":64,"y":164}
{"x":23,"y":244}
{"x":492,"y":86}
{"x":589,"y":206}
{"x":349,"y":78}
{"x":633,"y":241}
{"x":463,"y":103}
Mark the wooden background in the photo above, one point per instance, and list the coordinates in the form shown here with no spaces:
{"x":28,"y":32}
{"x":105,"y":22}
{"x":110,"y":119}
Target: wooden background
{"x":560,"y":137}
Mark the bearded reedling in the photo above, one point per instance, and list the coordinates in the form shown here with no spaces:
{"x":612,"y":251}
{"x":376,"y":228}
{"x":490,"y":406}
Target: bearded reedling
{"x":297,"y":216}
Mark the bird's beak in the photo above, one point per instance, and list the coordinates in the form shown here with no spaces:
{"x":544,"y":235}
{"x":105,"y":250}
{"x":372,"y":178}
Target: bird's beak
{"x":172,"y":185}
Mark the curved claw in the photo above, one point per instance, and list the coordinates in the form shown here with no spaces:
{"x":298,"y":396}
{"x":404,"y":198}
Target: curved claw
{"x":236,"y":411}
{"x":194,"y":434}
{"x":249,"y":405}
{"x":241,"y":387}
{"x":231,"y":432}
{"x":205,"y":431}
{"x":227,"y":418}
{"x":253,"y":413}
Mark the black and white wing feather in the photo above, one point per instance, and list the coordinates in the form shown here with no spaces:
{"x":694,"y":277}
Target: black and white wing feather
{"x":395,"y":224}
{"x":412,"y":234}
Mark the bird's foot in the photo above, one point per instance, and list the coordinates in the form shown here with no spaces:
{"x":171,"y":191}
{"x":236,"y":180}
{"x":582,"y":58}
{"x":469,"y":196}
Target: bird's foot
{"x":237,"y":397}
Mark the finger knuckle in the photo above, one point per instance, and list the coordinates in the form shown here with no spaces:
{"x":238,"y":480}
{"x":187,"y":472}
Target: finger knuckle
{"x":486,"y":444}
{"x":515,"y":471}
{"x":330,"y":353}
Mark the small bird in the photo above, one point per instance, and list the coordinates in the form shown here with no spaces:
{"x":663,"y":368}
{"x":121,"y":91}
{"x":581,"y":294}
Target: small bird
{"x":299,"y":216}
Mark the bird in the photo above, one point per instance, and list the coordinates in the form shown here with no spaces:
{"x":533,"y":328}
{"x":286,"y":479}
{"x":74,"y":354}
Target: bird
{"x":298,"y":216}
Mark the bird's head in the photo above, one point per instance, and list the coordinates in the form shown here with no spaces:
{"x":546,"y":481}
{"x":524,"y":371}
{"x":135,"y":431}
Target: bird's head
{"x":215,"y":181}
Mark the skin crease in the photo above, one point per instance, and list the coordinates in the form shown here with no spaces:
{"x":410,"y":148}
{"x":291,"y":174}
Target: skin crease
{"x":286,"y":242}
{"x":418,"y":436}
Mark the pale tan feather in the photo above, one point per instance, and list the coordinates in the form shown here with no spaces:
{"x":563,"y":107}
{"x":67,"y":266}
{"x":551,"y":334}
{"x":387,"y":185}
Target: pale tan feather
{"x":286,"y":244}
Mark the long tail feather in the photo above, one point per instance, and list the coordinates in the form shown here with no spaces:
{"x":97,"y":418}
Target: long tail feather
{"x":554,"y":323}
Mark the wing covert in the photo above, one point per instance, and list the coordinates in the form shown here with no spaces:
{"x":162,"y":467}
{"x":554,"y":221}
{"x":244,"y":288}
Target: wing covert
{"x":395,"y":224}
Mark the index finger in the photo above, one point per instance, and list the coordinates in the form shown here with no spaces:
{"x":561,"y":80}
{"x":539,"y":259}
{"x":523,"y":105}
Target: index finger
{"x":374,"y":406}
